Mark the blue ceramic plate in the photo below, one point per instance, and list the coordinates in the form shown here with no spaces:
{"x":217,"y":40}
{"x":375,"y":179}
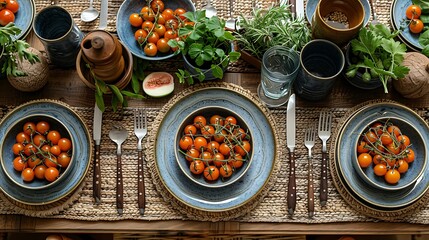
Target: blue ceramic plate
{"x":359,"y":189}
{"x":241,"y":191}
{"x":311,"y":6}
{"x":398,"y":17}
{"x":82,"y":152}
{"x":24,"y":17}
{"x":126,"y":31}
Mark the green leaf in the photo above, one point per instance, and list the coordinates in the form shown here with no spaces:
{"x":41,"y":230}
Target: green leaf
{"x":199,"y":15}
{"x":425,"y":50}
{"x":183,"y":31}
{"x":135,"y":83}
{"x":424,"y":38}
{"x":214,"y":23}
{"x":100,"y":102}
{"x":234,"y":56}
{"x":219,"y":33}
{"x":366,"y":42}
{"x":201,"y":76}
{"x":199,"y":60}
{"x":115,"y":90}
{"x":195,"y":49}
{"x":115,"y":102}
{"x":400,"y":71}
{"x":381,"y":30}
{"x":228,"y":35}
{"x":195,"y":35}
{"x":131,"y":94}
{"x":217,"y":71}
{"x":393,"y":47}
{"x":220,"y":52}
{"x":190,"y":15}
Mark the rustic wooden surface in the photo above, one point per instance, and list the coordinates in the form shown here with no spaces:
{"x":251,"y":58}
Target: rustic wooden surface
{"x":66,"y":86}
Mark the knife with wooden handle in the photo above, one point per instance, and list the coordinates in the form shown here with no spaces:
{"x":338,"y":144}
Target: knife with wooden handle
{"x":96,"y":133}
{"x":290,"y":137}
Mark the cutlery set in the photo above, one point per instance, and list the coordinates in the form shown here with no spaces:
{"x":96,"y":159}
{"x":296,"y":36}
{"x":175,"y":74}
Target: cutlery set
{"x":118,"y":134}
{"x":324,"y":133}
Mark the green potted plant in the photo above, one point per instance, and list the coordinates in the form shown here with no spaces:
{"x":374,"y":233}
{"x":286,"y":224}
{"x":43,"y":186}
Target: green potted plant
{"x":206,"y":47}
{"x":375,"y":54}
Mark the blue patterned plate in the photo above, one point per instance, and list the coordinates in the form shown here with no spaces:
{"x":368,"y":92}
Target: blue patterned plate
{"x":24,"y":17}
{"x":346,"y":144}
{"x":398,"y":20}
{"x":241,"y":191}
{"x":311,"y":6}
{"x":82,"y":152}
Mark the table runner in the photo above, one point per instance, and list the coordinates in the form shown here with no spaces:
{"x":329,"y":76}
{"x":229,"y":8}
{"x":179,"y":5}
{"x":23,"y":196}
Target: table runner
{"x":273,"y":208}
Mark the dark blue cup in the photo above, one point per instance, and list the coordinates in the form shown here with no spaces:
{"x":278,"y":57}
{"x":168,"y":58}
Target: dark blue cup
{"x":322,"y":62}
{"x":61,"y":37}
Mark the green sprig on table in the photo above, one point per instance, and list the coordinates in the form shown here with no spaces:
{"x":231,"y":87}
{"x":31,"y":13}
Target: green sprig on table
{"x":379,"y":55}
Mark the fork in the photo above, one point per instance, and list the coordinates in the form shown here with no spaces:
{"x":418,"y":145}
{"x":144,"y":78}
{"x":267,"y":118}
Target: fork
{"x":140,"y":130}
{"x":325,"y":122}
{"x":310,"y":136}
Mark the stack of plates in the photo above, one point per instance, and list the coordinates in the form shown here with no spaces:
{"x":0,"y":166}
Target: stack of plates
{"x":398,"y":22}
{"x":370,"y":198}
{"x":82,"y":153}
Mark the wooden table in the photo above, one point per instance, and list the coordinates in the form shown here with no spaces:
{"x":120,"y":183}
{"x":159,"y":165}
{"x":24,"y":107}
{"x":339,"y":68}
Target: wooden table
{"x":66,"y":86}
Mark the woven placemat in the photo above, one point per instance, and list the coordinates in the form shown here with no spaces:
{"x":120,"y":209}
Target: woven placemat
{"x":392,"y":215}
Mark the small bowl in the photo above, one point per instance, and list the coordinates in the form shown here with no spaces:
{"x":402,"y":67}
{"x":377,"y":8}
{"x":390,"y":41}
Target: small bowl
{"x":7,"y":155}
{"x":124,"y":79}
{"x":416,"y":168}
{"x":184,"y":164}
{"x":126,"y":31}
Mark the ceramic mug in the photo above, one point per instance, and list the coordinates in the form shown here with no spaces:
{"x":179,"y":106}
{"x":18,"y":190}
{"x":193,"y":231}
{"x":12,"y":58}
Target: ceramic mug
{"x":59,"y":34}
{"x":337,"y":20}
{"x":321,"y":62}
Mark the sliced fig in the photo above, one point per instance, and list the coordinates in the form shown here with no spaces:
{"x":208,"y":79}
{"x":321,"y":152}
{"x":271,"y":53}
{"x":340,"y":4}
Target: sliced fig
{"x":158,"y":84}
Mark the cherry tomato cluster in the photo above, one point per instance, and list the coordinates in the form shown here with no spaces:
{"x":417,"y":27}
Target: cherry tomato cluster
{"x":387,"y":148}
{"x":156,"y":25}
{"x":413,"y":13}
{"x":8,"y":8}
{"x":41,"y":152}
{"x":214,"y":148}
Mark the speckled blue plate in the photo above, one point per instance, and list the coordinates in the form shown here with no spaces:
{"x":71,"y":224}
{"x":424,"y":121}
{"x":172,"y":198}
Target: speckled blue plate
{"x":398,"y":21}
{"x":126,"y":31}
{"x":24,"y":18}
{"x":359,"y":189}
{"x":82,"y":152}
{"x":241,"y":191}
{"x":311,"y":6}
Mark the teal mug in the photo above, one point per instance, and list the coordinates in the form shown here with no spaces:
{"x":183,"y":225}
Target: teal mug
{"x":59,"y":34}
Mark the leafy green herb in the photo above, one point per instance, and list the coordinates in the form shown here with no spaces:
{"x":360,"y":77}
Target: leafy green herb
{"x":13,"y":49}
{"x":380,"y":55}
{"x":206,"y":43}
{"x":119,"y":96}
{"x":272,"y":27}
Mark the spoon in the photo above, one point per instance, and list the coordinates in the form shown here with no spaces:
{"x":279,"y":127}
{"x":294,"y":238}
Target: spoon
{"x":210,"y":10}
{"x":374,"y":14}
{"x":118,"y":134}
{"x":231,"y":23}
{"x":89,"y":14}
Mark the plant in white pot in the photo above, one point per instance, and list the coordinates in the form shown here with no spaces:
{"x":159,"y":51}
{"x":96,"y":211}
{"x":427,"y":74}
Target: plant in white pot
{"x":206,"y":47}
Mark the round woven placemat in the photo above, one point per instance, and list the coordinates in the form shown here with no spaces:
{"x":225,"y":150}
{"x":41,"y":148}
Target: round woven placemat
{"x":190,"y":212}
{"x":395,"y":215}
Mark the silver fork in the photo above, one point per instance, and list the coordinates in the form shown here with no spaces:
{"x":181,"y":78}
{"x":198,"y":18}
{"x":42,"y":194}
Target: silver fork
{"x":140,"y":130}
{"x":325,"y":122}
{"x":310,"y":136}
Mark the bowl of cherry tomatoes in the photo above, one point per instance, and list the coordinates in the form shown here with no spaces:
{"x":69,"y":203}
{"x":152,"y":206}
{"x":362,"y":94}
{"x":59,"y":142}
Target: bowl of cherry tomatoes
{"x":37,"y":152}
{"x":390,"y":154}
{"x":146,"y":26}
{"x":214,"y":147}
{"x":19,"y":12}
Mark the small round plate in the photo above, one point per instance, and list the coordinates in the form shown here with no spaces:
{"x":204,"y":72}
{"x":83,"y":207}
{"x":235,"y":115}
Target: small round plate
{"x":240,"y":192}
{"x":398,"y":20}
{"x":82,"y":151}
{"x":364,"y":193}
{"x":311,"y":6}
{"x":24,"y":18}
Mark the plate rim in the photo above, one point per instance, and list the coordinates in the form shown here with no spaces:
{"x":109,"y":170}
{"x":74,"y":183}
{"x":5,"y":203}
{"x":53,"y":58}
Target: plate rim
{"x":417,"y":48}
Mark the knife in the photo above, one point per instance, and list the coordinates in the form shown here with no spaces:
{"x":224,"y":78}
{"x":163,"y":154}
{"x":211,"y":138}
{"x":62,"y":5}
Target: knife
{"x":103,"y":14}
{"x":299,"y":8}
{"x":96,"y":131}
{"x":290,"y":137}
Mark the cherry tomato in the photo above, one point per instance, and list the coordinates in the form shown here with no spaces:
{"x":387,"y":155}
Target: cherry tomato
{"x":225,"y":149}
{"x":54,"y":136}
{"x":410,"y":156}
{"x":207,"y":131}
{"x":392,"y":176}
{"x":29,"y":128}
{"x":147,"y":14}
{"x":179,"y":13}
{"x":162,"y":45}
{"x":56,"y":150}
{"x":211,"y":173}
{"x":220,"y":136}
{"x":239,"y":133}
{"x":378,"y":128}
{"x":51,"y":174}
{"x":161,"y":19}
{"x":394,"y":129}
{"x":140,"y":35}
{"x":170,"y":34}
{"x":377,"y":159}
{"x":402,"y":166}
{"x":192,"y":154}
{"x":64,"y":144}
{"x":218,"y":159}
{"x":213,"y":147}
{"x":413,"y":12}
{"x":361,"y":147}
{"x":6,"y":16}
{"x":150,"y":49}
{"x":370,"y":136}
{"x":206,"y":157}
{"x":416,"y":26}
{"x":236,"y":161}
{"x":200,"y":143}
{"x":190,"y":130}
{"x":39,"y":140}
{"x":185,"y":142}
{"x":42,"y":127}
{"x":17,"y":148}
{"x":197,"y":167}
{"x":22,"y":138}
{"x":216,"y":120}
{"x":51,"y":162}
{"x":225,"y":171}
{"x":135,"y":20}
{"x":243,"y":148}
{"x":157,"y":6}
{"x":29,"y":149}
{"x":39,"y":171}
{"x":172,"y":24}
{"x":167,"y":14}
{"x":33,"y":161}
{"x":147,"y":26}
{"x":27,"y":174}
{"x":393,"y":148}
{"x":386,"y":138}
{"x":404,"y":140}
{"x":19,"y":164}
{"x":230,"y":121}
{"x":63,"y":159}
{"x":364,"y":160}
{"x":160,"y":29}
{"x":12,"y":5}
{"x":200,"y":121}
{"x":380,"y":169}
{"x":46,"y":148}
